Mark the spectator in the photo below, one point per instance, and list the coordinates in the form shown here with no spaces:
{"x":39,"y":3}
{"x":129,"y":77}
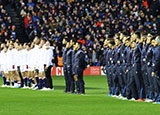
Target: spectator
{"x":89,"y":22}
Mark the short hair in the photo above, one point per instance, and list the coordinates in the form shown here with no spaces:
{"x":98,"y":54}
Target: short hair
{"x":66,"y":38}
{"x":80,"y":44}
{"x":74,"y":40}
{"x":138,"y":34}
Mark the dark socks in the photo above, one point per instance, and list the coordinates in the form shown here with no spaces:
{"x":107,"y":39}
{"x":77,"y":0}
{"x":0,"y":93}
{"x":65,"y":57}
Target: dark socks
{"x":12,"y":83}
{"x":25,"y":81}
{"x":4,"y":80}
{"x":40,"y":83}
{"x":32,"y":81}
{"x":45,"y":82}
{"x":29,"y":82}
{"x":37,"y":80}
{"x":8,"y":83}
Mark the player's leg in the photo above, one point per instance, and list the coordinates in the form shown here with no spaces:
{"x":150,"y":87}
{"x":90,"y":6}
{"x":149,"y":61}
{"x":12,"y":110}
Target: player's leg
{"x":40,"y":76}
{"x":44,"y":80}
{"x":4,"y":79}
{"x":30,"y":78}
{"x":81,"y":81}
{"x":48,"y":77}
{"x":9,"y":77}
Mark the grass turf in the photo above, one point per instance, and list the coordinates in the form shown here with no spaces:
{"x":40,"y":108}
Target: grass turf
{"x":95,"y":102}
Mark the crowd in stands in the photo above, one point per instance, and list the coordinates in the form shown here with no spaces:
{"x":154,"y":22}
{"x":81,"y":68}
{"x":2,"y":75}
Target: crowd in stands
{"x":87,"y":21}
{"x":7,"y":29}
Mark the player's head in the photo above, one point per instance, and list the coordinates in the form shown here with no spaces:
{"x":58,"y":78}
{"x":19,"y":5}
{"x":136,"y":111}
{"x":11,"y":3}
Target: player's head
{"x":32,"y":45}
{"x":2,"y":45}
{"x":133,"y":45}
{"x":48,"y":44}
{"x":64,"y":42}
{"x":28,"y":46}
{"x":158,"y":40}
{"x":68,"y":45}
{"x":72,"y":42}
{"x":117,"y":42}
{"x":149,"y":38}
{"x":43,"y":41}
{"x":40,"y":46}
{"x":36,"y":40}
{"x":78,"y":45}
{"x":106,"y":42}
{"x":20,"y":46}
{"x":133,"y":37}
{"x":24,"y":46}
{"x":10,"y":47}
{"x":5,"y":49}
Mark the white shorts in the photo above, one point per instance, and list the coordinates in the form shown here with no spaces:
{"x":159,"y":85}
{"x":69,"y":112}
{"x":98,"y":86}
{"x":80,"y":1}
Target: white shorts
{"x":22,"y":68}
{"x":41,"y":68}
{"x":4,"y":69}
{"x":30,"y":68}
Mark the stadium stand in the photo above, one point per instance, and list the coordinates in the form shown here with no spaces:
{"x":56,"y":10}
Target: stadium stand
{"x":87,"y":21}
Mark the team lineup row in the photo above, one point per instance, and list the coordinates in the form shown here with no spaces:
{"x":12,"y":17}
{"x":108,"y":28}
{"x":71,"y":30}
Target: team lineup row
{"x":132,"y":66}
{"x":23,"y":65}
{"x":29,"y":65}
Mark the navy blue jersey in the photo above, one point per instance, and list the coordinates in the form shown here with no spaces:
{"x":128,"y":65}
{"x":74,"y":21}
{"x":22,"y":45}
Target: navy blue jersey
{"x":156,"y":60}
{"x":64,"y":56}
{"x":149,"y":55}
{"x":143,"y":54}
{"x":69,"y":57}
{"x":80,"y":60}
{"x":137,"y":53}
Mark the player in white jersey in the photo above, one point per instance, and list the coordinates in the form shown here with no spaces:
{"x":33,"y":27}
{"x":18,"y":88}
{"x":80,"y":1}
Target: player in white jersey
{"x":23,"y":65}
{"x":48,"y":65}
{"x":40,"y":65}
{"x":5,"y":66}
{"x":10,"y":63}
{"x":13,"y":68}
{"x":17,"y":66}
{"x":29,"y":67}
{"x":34,"y":65}
{"x":2,"y":63}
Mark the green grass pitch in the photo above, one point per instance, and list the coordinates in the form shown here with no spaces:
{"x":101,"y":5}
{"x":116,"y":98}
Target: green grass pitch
{"x":95,"y":102}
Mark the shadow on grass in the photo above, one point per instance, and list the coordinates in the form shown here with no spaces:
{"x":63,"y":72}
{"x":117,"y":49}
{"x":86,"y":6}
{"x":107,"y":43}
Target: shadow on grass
{"x":90,"y":88}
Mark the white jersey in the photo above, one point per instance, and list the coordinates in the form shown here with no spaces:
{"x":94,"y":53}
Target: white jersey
{"x":0,"y":62}
{"x":35,"y":56}
{"x":14,"y":59}
{"x":18,"y":62}
{"x":48,"y":57}
{"x":41,"y":59}
{"x":31,"y":60}
{"x":23,"y":60}
{"x":4,"y":62}
{"x":27,"y":59}
{"x":10,"y":60}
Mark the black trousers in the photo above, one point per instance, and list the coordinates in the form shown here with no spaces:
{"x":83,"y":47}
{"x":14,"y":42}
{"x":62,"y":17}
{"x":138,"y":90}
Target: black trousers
{"x":71,"y":79}
{"x":145,"y":79}
{"x":80,"y":81}
{"x":119,"y":74}
{"x":115,"y":76}
{"x":48,"y":77}
{"x":156,"y":81}
{"x":109,"y":79}
{"x":20,"y":75}
{"x":138,"y":80}
{"x":131,"y":91}
{"x":150,"y":79}
{"x":67,"y":80}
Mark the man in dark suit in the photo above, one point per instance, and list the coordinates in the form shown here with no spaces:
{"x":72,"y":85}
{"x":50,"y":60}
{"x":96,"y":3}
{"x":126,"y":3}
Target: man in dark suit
{"x":80,"y":67}
{"x":65,"y":50}
{"x":156,"y":70}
